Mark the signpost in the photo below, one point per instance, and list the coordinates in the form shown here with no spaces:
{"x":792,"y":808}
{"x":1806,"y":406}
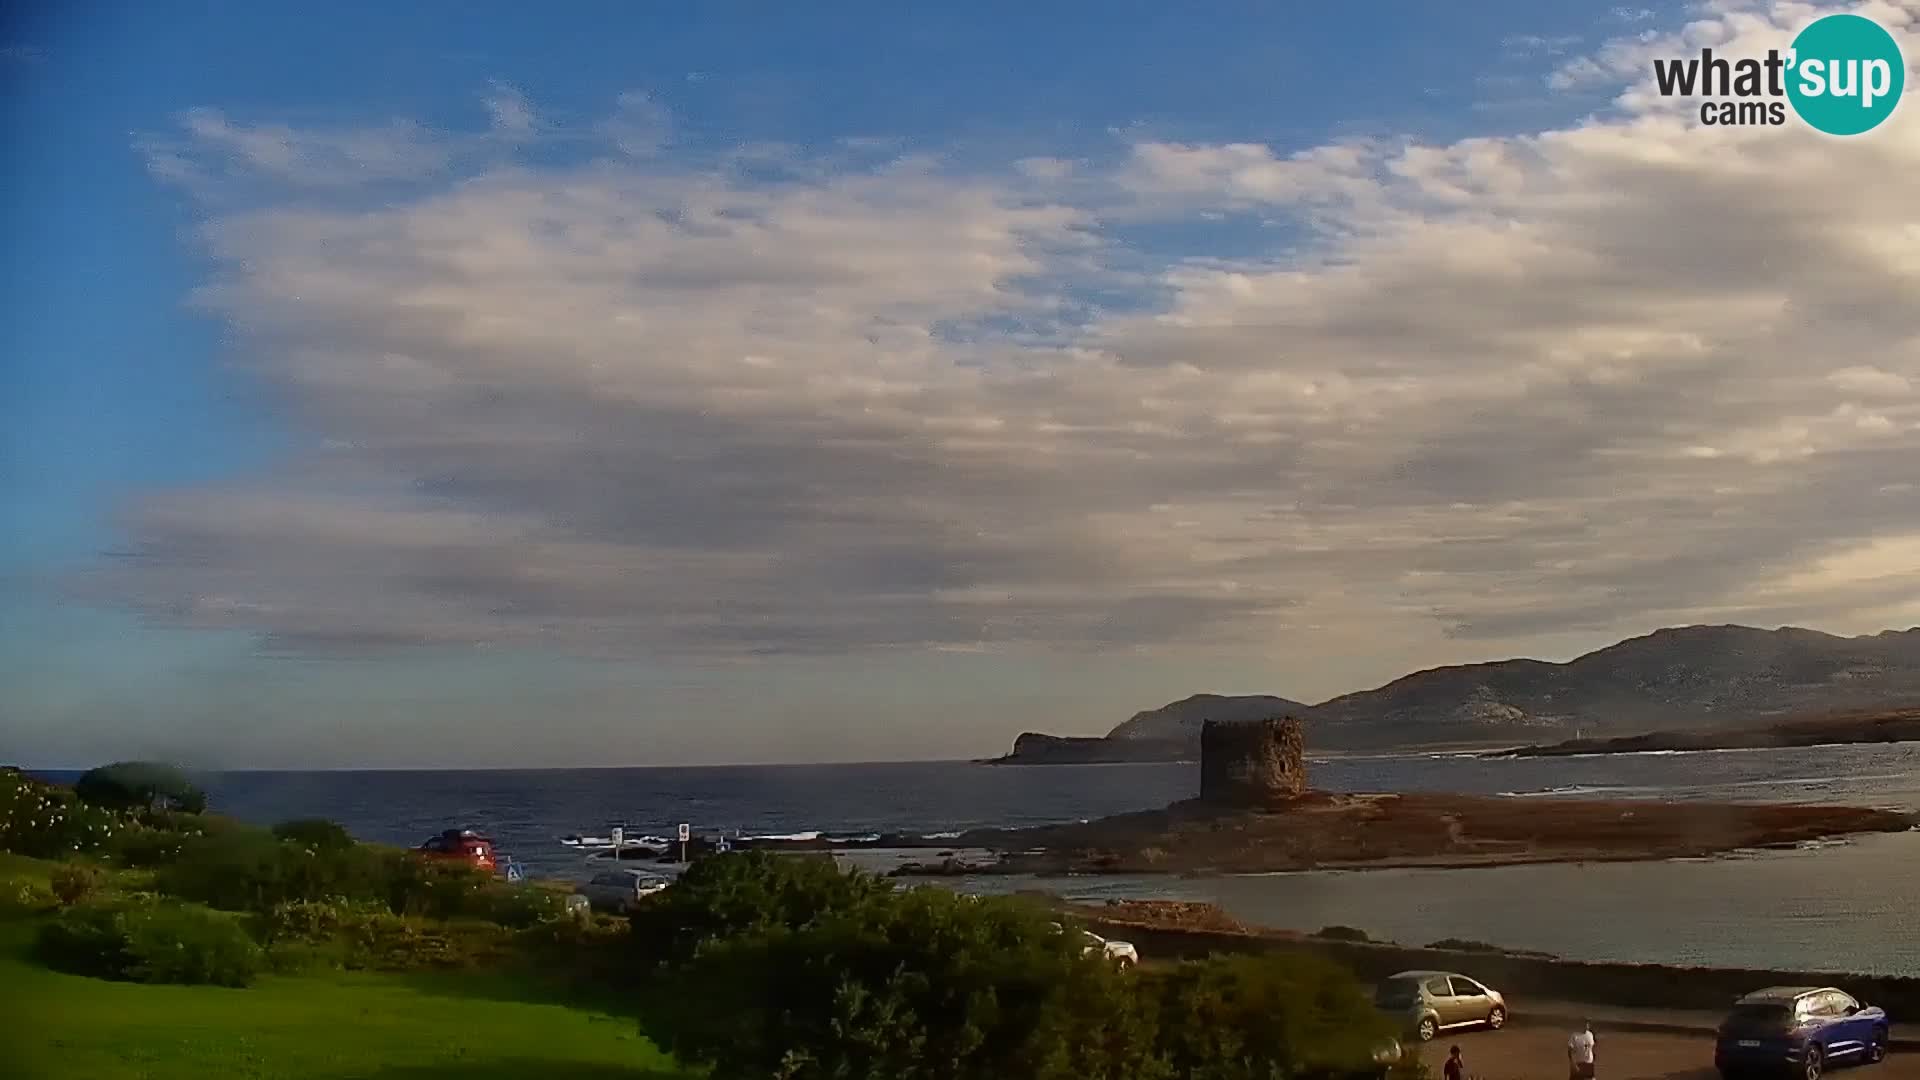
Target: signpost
{"x":686,"y":834}
{"x":619,"y":841}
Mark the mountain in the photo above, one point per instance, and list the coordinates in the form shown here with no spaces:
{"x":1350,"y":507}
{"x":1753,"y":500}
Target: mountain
{"x":1689,"y":678}
{"x":1683,"y":678}
{"x":1181,"y":720}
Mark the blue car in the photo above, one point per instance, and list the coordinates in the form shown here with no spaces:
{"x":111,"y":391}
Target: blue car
{"x":1798,"y":1031}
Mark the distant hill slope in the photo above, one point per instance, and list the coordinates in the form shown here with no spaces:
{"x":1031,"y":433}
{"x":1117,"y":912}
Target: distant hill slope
{"x":1181,"y":720}
{"x":1686,"y":678}
{"x":1680,"y":679}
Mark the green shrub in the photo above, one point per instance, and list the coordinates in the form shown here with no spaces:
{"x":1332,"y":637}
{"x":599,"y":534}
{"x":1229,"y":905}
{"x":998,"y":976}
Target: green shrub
{"x":145,"y":848}
{"x":140,"y":785}
{"x":919,"y":985}
{"x":314,"y":920}
{"x":149,"y":942}
{"x":24,"y":899}
{"x":187,"y":943}
{"x":86,"y":940}
{"x":743,"y":893}
{"x":1342,"y":933}
{"x":315,"y":833}
{"x":1249,"y":1017}
{"x":74,"y":882}
{"x":47,"y":822}
{"x":388,"y":942}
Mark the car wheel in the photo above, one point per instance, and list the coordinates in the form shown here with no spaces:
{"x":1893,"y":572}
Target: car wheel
{"x":1428,"y":1028}
{"x":1877,"y":1048}
{"x":1497,"y":1019}
{"x":1815,"y":1063}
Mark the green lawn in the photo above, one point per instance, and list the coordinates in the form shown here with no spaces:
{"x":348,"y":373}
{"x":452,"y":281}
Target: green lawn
{"x":340,"y":1025}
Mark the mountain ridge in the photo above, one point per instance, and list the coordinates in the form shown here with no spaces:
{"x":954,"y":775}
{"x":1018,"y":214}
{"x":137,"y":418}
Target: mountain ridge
{"x":1677,"y":677}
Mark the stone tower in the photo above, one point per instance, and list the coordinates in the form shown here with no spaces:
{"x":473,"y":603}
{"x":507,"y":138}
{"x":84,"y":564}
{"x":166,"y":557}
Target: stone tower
{"x":1252,"y":764}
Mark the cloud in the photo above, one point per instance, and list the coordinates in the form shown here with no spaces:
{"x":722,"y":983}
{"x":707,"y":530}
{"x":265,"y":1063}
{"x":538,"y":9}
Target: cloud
{"x":400,"y":150}
{"x":639,"y":126}
{"x":1535,"y":45}
{"x":512,"y":114}
{"x":1592,"y":379}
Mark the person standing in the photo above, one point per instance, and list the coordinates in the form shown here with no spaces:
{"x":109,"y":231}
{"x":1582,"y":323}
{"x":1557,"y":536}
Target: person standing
{"x":1580,"y":1053}
{"x":1454,"y":1069}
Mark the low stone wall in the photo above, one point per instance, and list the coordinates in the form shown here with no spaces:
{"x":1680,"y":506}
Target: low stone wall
{"x":1638,"y":985}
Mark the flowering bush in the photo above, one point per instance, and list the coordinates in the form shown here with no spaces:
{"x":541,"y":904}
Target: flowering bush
{"x":47,"y":822}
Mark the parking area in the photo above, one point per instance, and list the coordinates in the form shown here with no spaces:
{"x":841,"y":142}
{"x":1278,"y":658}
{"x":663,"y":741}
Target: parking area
{"x":1539,"y":1053}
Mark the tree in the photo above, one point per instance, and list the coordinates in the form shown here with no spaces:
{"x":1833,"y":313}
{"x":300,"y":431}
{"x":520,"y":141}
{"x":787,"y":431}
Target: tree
{"x":140,"y":785}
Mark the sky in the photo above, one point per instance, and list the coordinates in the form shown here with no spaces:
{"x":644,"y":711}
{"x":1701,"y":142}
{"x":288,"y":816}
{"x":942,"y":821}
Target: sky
{"x":433,"y":384}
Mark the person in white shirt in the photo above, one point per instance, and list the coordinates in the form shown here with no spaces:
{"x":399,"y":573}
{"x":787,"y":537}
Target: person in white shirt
{"x":1580,"y":1053}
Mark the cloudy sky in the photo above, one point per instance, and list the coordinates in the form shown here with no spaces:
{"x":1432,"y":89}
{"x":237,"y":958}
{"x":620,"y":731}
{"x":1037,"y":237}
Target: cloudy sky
{"x":879,"y":381}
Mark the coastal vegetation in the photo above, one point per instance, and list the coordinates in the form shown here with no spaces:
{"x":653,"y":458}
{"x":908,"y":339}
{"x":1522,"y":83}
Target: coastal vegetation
{"x":161,"y":942}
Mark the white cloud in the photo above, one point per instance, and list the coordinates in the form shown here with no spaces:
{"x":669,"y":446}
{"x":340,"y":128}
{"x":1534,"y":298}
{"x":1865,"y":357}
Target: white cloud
{"x":640,"y":126}
{"x":1589,"y":379}
{"x":512,"y":114}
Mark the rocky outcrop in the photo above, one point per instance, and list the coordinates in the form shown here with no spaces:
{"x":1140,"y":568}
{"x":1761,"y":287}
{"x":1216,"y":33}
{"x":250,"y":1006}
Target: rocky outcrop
{"x":1252,"y":764}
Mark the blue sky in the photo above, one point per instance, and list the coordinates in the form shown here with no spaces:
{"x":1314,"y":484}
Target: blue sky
{"x":237,"y":529}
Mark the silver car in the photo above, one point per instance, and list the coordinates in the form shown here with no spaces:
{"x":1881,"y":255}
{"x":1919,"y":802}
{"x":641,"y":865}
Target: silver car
{"x":1426,"y":1003}
{"x":619,"y":890}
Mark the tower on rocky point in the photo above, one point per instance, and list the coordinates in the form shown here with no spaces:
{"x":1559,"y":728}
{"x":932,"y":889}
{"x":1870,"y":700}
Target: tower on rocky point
{"x":1252,"y":764}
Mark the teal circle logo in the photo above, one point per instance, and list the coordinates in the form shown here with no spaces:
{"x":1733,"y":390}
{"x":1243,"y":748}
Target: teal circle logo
{"x":1845,"y":74}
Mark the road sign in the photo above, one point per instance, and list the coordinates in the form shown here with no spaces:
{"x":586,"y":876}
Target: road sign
{"x":686,"y":832}
{"x":619,"y":837}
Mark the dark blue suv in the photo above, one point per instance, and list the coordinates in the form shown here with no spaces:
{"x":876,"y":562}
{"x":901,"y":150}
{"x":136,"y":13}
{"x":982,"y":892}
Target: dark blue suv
{"x":1799,"y":1031}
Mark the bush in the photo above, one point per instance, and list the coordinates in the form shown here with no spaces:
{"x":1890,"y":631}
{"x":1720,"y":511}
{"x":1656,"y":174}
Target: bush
{"x":48,"y":822}
{"x":388,"y":942}
{"x":925,"y":984}
{"x":743,"y":893}
{"x":187,"y":943}
{"x":1293,"y":1015}
{"x":1342,"y":933}
{"x":317,"y":833}
{"x":75,"y":882}
{"x":155,"y":943}
{"x":86,"y":940}
{"x":140,"y":785}
{"x":142,"y":847}
{"x":24,"y":899}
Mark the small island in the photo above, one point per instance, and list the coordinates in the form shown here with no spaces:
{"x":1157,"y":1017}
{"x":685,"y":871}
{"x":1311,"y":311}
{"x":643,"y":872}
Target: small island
{"x":1256,"y":814}
{"x":1837,"y":729}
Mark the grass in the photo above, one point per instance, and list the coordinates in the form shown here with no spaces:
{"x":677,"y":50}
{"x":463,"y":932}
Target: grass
{"x":391,"y":1027}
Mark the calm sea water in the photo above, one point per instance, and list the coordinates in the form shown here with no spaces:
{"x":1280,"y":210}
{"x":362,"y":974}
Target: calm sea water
{"x":1849,"y":906}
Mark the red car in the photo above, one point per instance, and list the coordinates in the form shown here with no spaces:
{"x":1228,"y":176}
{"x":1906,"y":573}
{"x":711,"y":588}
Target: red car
{"x":463,"y":844}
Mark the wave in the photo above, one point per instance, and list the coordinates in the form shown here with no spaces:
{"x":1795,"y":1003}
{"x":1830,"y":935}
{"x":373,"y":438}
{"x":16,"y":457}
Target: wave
{"x":1573,"y":789}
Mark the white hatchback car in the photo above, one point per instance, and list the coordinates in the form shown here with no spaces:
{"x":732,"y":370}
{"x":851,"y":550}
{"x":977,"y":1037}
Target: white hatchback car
{"x":619,"y":890}
{"x":1122,"y":953}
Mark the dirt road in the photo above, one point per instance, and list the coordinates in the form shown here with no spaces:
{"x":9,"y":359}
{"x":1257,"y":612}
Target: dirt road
{"x":1539,"y":1053}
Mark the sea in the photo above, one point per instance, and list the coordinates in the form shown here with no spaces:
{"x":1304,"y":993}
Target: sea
{"x":1851,"y":905}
